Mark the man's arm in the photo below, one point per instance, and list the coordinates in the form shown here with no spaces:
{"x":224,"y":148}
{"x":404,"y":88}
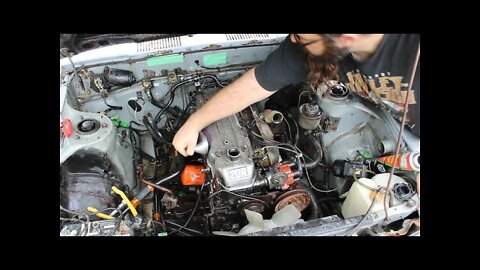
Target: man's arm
{"x":231,"y":99}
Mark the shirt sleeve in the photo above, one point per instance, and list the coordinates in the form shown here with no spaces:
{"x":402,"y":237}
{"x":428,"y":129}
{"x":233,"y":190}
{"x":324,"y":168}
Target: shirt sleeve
{"x":284,"y":66}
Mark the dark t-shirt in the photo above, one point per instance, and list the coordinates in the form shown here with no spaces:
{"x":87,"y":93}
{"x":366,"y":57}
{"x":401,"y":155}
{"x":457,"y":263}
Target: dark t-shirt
{"x":382,"y":79}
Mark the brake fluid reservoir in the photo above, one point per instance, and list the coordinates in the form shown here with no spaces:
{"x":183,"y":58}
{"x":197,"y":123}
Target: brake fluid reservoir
{"x":360,"y":198}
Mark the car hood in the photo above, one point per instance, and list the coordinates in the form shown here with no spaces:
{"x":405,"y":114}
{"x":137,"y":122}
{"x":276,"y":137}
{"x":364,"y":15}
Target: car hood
{"x":77,"y":43}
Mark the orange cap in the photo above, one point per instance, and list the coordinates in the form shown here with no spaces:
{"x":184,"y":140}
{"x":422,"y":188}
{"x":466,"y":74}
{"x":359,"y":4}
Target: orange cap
{"x":192,"y":175}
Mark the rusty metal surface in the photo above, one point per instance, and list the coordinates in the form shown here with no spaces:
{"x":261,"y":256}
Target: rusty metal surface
{"x":406,"y":226}
{"x":299,"y":198}
{"x":86,"y":180}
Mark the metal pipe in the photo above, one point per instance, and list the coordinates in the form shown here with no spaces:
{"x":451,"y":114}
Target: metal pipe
{"x":404,"y":117}
{"x":272,"y":116}
{"x":164,"y":189}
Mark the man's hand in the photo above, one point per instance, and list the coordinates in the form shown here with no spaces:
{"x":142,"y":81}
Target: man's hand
{"x":231,"y":99}
{"x":186,"y":139}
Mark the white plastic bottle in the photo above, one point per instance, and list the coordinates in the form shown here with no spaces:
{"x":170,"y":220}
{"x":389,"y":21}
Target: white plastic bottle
{"x":360,"y":198}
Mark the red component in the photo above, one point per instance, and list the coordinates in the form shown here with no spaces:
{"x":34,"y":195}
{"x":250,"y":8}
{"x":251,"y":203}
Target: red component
{"x":285,"y":168}
{"x":67,"y":127}
{"x":192,"y":175}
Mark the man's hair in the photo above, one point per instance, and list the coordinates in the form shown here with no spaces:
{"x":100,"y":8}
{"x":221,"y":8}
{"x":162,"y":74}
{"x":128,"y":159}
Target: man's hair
{"x":325,"y":67}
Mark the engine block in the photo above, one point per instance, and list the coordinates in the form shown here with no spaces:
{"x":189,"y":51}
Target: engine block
{"x":230,"y":154}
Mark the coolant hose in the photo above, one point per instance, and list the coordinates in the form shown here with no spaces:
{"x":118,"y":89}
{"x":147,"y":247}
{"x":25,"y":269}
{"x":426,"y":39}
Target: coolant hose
{"x":314,"y":208}
{"x":318,"y":153}
{"x":155,"y":134}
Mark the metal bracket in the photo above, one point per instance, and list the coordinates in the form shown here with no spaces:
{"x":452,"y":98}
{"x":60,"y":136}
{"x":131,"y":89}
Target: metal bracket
{"x":171,"y":78}
{"x":330,"y":123}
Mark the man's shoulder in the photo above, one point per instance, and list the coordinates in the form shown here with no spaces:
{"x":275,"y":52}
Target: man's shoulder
{"x":401,"y":39}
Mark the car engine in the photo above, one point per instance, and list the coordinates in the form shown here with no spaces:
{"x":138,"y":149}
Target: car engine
{"x":279,"y":167}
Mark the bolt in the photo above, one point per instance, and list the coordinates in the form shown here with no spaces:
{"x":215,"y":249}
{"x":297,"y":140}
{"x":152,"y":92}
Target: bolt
{"x":104,"y":125}
{"x":218,"y":153}
{"x":411,"y":202}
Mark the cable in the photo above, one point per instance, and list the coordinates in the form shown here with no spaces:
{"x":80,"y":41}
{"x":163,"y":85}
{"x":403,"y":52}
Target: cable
{"x":76,"y":214}
{"x":112,"y":107}
{"x":172,"y":92}
{"x":71,"y":219}
{"x":185,"y":110}
{"x":117,"y":225}
{"x":297,"y":134}
{"x":300,"y":97}
{"x":136,"y":154}
{"x":289,"y":130}
{"x":70,"y":211}
{"x":283,"y":148}
{"x":193,"y":212}
{"x":180,"y":168}
{"x":359,"y":182}
{"x":230,"y":192}
{"x":135,"y":115}
{"x":349,"y":233}
{"x":319,"y":190}
{"x":188,"y":229}
{"x":156,"y":135}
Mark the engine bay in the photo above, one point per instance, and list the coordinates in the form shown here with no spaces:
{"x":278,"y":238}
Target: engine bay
{"x":306,"y":161}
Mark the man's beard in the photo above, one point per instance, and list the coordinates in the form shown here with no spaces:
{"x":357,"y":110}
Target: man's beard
{"x":332,"y":55}
{"x":324,"y":67}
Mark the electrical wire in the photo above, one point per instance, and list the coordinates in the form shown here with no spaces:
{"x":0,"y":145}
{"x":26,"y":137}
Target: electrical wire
{"x":188,"y":229}
{"x":300,"y":97}
{"x":283,"y":148}
{"x":270,"y":142}
{"x":193,"y":212}
{"x":135,"y":115}
{"x":320,"y":190}
{"x":289,"y":130}
{"x":78,"y":214}
{"x":71,"y":219}
{"x":358,"y":180}
{"x":75,"y":213}
{"x":172,"y":92}
{"x":117,"y":225}
{"x":112,"y":107}
{"x":232,"y":193}
{"x":70,"y":211}
{"x":349,"y":233}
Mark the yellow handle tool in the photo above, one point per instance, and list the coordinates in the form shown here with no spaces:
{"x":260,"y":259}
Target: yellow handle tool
{"x":124,"y":197}
{"x":100,"y":215}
